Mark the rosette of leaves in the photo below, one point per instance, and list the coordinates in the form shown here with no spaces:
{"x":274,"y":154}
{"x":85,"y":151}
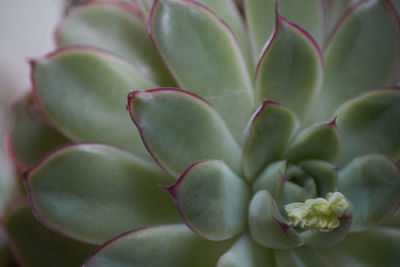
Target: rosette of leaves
{"x":263,"y":138}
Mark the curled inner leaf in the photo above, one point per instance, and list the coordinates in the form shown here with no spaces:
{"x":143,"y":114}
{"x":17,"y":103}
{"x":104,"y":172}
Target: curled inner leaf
{"x":319,"y":213}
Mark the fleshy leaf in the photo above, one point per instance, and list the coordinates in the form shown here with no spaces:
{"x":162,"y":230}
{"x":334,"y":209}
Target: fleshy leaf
{"x":82,"y":91}
{"x":267,"y":225}
{"x":351,"y":68}
{"x":302,"y":256}
{"x":212,"y":200}
{"x":166,"y":246}
{"x":272,"y":179}
{"x":261,"y":18}
{"x":320,"y":142}
{"x":372,"y":184}
{"x":393,"y":220}
{"x":324,"y":175}
{"x":269,"y":132}
{"x":375,"y":247}
{"x":246,"y":253}
{"x":204,"y":57}
{"x":229,"y":13}
{"x":172,"y":118}
{"x":145,"y":6}
{"x":94,"y":192}
{"x":290,"y":68}
{"x":31,"y":137}
{"x":334,"y":11}
{"x":35,"y":245}
{"x":118,"y":28}
{"x":370,"y":124}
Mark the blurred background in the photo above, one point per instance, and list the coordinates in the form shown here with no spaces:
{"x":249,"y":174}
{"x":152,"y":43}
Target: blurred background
{"x":26,"y":28}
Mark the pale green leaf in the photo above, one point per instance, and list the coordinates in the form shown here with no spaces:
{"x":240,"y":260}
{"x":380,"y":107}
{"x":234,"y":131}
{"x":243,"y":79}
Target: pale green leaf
{"x":268,"y":134}
{"x":83,"y":91}
{"x":246,"y":253}
{"x":205,"y":58}
{"x":362,"y":54}
{"x":375,"y":247}
{"x":324,"y":175}
{"x":370,"y":124}
{"x":290,"y":69}
{"x":180,"y":128}
{"x":318,"y":142}
{"x":35,"y":245}
{"x":31,"y":137}
{"x":260,"y":15}
{"x":372,"y":185}
{"x":117,"y":28}
{"x":267,"y":226}
{"x":162,"y":246}
{"x":212,"y":199}
{"x":94,"y":192}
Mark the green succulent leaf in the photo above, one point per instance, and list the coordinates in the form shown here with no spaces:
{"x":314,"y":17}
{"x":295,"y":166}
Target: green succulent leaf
{"x":267,"y":225}
{"x":94,"y":192}
{"x":323,"y":173}
{"x":370,"y":123}
{"x":319,"y":142}
{"x":145,"y":6}
{"x":82,"y":91}
{"x":118,"y":28}
{"x":268,"y":133}
{"x":334,"y":11}
{"x":35,"y":245}
{"x":31,"y":137}
{"x":362,"y":54}
{"x":372,"y":184}
{"x":260,"y":15}
{"x":292,"y":192}
{"x":204,"y":57}
{"x":191,"y":129}
{"x":229,"y":13}
{"x":246,"y":253}
{"x":272,"y":179}
{"x":166,"y":246}
{"x":302,"y":256}
{"x":393,"y":220}
{"x":375,"y":247}
{"x":212,"y":200}
{"x":290,"y":68}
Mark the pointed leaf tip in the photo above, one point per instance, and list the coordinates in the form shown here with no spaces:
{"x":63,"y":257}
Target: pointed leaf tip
{"x":90,"y":96}
{"x":207,"y":68}
{"x":195,"y":130}
{"x":319,"y":142}
{"x":267,"y":225}
{"x":366,"y":26}
{"x":268,"y":133}
{"x":290,"y":68}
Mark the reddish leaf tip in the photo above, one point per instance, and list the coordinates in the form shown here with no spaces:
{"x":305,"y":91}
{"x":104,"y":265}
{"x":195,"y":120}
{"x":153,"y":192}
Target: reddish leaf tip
{"x":170,"y":189}
{"x":284,"y":178}
{"x":269,"y":102}
{"x":333,"y":123}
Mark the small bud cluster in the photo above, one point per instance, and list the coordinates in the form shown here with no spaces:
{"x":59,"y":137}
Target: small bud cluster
{"x":319,"y":213}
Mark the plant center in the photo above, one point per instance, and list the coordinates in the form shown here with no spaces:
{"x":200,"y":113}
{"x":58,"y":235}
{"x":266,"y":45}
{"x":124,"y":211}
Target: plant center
{"x":318,"y":214}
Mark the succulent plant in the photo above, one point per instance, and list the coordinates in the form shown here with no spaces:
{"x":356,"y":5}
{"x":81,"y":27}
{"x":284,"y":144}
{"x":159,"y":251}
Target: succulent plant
{"x":268,"y":138}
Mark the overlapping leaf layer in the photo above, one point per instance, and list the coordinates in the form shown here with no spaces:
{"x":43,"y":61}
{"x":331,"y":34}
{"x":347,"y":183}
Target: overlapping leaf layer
{"x":175,"y":133}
